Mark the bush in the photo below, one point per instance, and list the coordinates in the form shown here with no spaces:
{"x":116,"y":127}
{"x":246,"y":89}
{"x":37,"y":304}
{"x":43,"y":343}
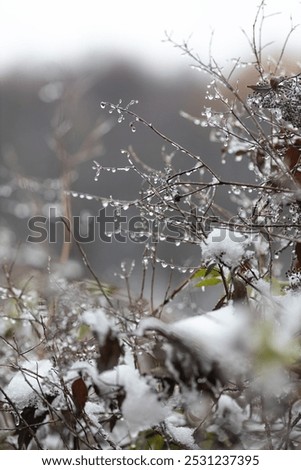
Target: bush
{"x":88,"y":367}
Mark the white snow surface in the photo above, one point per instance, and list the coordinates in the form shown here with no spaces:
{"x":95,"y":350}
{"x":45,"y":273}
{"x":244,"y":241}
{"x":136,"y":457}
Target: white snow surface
{"x":98,"y":322}
{"x":221,"y":335}
{"x":35,"y":379}
{"x":182,"y":434}
{"x":141,"y":409}
{"x":226,"y":246}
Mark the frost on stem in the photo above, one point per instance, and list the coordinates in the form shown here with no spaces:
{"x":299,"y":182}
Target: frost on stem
{"x":282,"y":95}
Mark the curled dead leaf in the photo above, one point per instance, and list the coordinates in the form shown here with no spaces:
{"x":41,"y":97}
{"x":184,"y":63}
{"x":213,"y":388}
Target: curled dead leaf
{"x":79,"y":394}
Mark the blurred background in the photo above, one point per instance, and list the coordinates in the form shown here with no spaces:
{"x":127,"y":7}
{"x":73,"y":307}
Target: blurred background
{"x":60,"y":59}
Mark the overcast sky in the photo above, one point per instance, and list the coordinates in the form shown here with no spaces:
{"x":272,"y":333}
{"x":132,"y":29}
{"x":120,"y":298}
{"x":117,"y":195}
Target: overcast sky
{"x":60,"y":31}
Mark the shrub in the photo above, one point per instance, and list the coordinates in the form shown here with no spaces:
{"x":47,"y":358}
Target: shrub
{"x":91,"y":368}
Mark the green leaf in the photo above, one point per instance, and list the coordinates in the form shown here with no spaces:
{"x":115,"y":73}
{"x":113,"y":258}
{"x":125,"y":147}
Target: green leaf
{"x":200,"y":273}
{"x":211,"y":281}
{"x":204,"y":272}
{"x":210,"y":276}
{"x":83,"y":332}
{"x":149,"y":440}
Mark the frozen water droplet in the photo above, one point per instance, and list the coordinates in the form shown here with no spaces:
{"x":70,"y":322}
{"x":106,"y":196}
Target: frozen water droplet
{"x":123,"y":266}
{"x":16,"y":418}
{"x":236,"y":190}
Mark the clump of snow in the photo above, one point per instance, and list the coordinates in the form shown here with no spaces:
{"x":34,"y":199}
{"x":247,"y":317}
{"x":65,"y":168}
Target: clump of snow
{"x":34,"y":379}
{"x":229,"y":416}
{"x":225,"y":246}
{"x":98,"y":322}
{"x":141,"y":408}
{"x":182,"y":435}
{"x":94,"y":411}
{"x":220,"y":336}
{"x":290,"y":317}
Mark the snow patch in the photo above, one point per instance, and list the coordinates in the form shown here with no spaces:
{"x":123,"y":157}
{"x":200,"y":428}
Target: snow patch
{"x":226,"y":246}
{"x":35,"y":378}
{"x":221,"y":335}
{"x":141,"y":409}
{"x":98,"y":322}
